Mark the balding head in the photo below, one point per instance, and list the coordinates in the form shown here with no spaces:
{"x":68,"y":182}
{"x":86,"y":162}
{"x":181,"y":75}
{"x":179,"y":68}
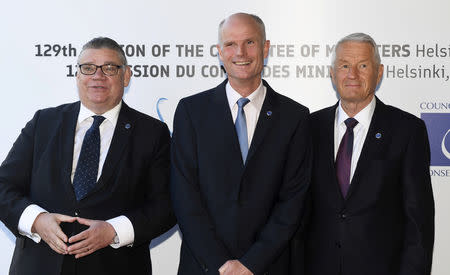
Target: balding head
{"x":242,"y":17}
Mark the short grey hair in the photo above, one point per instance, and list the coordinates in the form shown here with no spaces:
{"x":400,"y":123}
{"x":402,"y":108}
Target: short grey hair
{"x":107,"y":43}
{"x":257,"y":19}
{"x":357,"y":37}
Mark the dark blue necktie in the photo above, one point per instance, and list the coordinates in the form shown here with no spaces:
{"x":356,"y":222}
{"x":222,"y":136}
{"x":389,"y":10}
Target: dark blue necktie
{"x":344,"y":156}
{"x":241,"y":127}
{"x":87,"y":167}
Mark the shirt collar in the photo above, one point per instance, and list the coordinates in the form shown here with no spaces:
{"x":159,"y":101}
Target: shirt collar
{"x":363,"y":117}
{"x":111,"y":115}
{"x":256,"y":97}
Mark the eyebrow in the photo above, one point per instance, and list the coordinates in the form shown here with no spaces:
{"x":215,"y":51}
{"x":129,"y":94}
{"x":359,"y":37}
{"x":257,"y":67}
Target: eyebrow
{"x":104,"y":63}
{"x":253,"y":38}
{"x":346,"y":61}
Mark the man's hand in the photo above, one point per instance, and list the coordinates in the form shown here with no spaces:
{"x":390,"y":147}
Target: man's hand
{"x":234,"y":267}
{"x":99,"y":235}
{"x":47,"y":226}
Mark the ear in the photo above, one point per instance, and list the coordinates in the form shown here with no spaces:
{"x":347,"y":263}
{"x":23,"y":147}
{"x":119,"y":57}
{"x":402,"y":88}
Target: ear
{"x":266,"y":48}
{"x":219,"y":50}
{"x":333,"y":76}
{"x":126,"y":76}
{"x":380,"y":73}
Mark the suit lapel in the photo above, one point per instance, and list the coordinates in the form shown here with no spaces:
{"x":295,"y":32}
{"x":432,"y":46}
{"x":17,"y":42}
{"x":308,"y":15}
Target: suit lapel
{"x":269,"y":112}
{"x":223,"y":125}
{"x":67,"y":137}
{"x":373,"y":145}
{"x":326,"y":140}
{"x":224,"y":134}
{"x":121,"y":136}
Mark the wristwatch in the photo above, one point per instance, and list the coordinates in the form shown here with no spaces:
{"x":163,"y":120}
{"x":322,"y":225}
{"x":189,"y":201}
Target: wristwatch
{"x":115,"y":240}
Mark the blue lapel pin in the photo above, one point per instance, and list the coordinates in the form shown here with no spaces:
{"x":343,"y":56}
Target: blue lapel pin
{"x":127,"y":126}
{"x":269,"y":113}
{"x":378,"y":135}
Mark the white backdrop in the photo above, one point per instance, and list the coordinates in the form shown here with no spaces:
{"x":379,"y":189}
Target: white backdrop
{"x":40,"y":41}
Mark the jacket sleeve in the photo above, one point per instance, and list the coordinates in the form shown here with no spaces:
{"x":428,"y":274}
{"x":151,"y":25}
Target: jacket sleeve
{"x":418,"y":205}
{"x":15,"y":177}
{"x":155,"y":216}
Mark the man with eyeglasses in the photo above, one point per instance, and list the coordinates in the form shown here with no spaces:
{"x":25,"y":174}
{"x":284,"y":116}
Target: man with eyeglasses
{"x":89,"y":178}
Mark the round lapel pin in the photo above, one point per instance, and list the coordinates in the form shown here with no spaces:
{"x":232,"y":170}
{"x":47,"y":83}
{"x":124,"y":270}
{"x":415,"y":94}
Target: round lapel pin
{"x":269,"y":113}
{"x":127,"y":126}
{"x":378,"y":135}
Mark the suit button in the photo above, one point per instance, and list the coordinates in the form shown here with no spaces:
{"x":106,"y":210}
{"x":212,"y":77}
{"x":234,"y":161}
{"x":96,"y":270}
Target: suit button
{"x":338,"y":244}
{"x":343,"y":216}
{"x":76,"y":214}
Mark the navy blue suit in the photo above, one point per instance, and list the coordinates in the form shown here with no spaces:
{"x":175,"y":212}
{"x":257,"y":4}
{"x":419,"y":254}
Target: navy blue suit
{"x":134,"y":182}
{"x":230,"y":210}
{"x":385,"y":225}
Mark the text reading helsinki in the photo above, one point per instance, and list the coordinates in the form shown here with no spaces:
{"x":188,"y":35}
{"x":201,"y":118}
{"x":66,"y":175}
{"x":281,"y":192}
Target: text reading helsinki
{"x":408,"y":71}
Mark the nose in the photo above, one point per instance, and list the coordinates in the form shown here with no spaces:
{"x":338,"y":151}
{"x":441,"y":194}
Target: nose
{"x":352,"y":72}
{"x":241,"y":50}
{"x":99,"y":74}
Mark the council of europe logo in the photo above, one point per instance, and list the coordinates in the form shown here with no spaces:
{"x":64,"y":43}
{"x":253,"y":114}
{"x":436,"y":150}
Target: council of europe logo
{"x":158,"y":111}
{"x":157,"y":108}
{"x":438,"y":126}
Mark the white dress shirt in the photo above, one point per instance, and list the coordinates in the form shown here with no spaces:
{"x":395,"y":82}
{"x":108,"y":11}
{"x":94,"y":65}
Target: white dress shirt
{"x":364,"y":117}
{"x":251,"y":109}
{"x":122,"y":225}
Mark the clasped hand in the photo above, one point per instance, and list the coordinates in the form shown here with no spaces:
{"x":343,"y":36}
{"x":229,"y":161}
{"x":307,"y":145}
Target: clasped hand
{"x":99,"y":234}
{"x":234,"y":267}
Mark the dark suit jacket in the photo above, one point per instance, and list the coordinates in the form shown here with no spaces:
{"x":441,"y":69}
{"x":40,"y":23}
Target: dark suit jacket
{"x":385,"y":226}
{"x":227,"y":210}
{"x":134,"y":183}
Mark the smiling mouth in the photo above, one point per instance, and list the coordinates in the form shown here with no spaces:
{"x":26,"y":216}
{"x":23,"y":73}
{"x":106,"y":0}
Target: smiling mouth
{"x":353,"y":85}
{"x":241,"y":63}
{"x":97,"y":87}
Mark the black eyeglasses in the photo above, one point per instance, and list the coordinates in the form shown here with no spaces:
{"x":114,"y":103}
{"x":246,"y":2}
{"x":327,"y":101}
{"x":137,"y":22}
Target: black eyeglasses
{"x":107,"y":69}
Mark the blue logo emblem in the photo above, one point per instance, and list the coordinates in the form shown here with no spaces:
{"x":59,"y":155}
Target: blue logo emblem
{"x":438,"y":127}
{"x":157,"y":108}
{"x":158,"y":111}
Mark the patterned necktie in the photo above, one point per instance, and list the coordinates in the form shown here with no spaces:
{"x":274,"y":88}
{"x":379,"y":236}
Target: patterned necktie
{"x":241,"y":127}
{"x":344,"y":156}
{"x":87,"y":167}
